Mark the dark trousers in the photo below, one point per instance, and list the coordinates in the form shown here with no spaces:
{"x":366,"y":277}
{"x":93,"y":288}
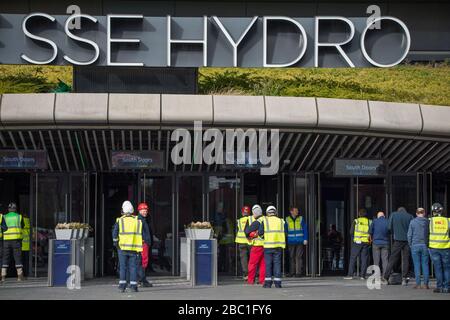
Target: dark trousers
{"x":272,"y":258}
{"x":380,"y":252}
{"x":296,"y":258}
{"x":127,"y":263}
{"x":14,"y":246}
{"x":360,"y":250}
{"x":400,"y":249}
{"x":26,"y":262}
{"x":244,"y":251}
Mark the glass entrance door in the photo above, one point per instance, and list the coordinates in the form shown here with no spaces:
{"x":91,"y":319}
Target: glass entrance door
{"x":158,"y":193}
{"x":223,"y":210}
{"x":334,"y":226}
{"x":117,"y":188}
{"x":370,"y":194}
{"x":59,"y":198}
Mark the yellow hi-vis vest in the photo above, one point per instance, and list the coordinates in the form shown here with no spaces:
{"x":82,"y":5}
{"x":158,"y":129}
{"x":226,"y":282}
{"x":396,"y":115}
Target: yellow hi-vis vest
{"x":258,"y":241}
{"x":294,"y":227}
{"x":14,"y":223}
{"x":361,"y":232}
{"x":130,"y":233}
{"x":274,"y":236}
{"x":26,"y":234}
{"x":240,"y":235}
{"x":439,"y":233}
{"x":1,"y":231}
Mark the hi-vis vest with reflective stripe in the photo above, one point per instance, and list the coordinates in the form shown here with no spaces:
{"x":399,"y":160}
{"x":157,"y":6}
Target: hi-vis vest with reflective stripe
{"x":258,"y":241}
{"x":130,"y":233}
{"x":240,"y":235}
{"x":295,"y":229}
{"x":26,"y":234}
{"x":439,"y":233}
{"x":14,"y":222}
{"x":361,"y":233}
{"x":1,"y":231}
{"x":274,"y":232}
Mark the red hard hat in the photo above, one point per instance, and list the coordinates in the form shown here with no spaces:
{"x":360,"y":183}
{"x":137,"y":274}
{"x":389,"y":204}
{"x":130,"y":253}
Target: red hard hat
{"x":245,"y":210}
{"x":142,"y":206}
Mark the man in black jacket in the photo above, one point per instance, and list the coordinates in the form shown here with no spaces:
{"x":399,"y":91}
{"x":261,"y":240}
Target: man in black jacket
{"x":398,"y":227}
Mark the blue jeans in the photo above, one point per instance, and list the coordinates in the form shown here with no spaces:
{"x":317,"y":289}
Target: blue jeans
{"x":272,"y":259}
{"x":127,"y":263}
{"x":420,"y":258}
{"x":441,"y":263}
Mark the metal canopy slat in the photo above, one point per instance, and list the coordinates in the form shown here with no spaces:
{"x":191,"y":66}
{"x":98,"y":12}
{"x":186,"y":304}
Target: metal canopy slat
{"x":416,"y":153}
{"x":94,"y":134}
{"x":359,"y":145}
{"x":88,"y":145}
{"x":392,"y":149}
{"x":318,"y":150}
{"x":403,"y":155}
{"x":336,"y":150}
{"x":399,"y":152}
{"x":361,"y":153}
{"x":105,"y":148}
{"x":291,"y":152}
{"x":64,"y":150}
{"x":30,"y":134}
{"x":74,"y":156}
{"x":324,"y":154}
{"x":307,"y":154}
{"x":442,"y":162}
{"x":437,"y":157}
{"x":11,"y":136}
{"x":374,"y":148}
{"x":300,"y":150}
{"x":349,"y":146}
{"x":41,"y":136}
{"x":58,"y":162}
{"x":23,"y":140}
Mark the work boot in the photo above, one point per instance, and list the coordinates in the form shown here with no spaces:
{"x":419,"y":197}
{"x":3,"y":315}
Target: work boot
{"x":267,"y":284}
{"x":405,"y":282}
{"x":437,"y":290}
{"x":278,"y":284}
{"x":147,"y":284}
{"x":122,"y":288}
{"x":20,"y":276}
{"x":134,"y":288}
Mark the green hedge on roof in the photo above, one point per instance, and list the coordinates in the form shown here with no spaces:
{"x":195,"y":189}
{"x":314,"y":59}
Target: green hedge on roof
{"x":427,"y":84}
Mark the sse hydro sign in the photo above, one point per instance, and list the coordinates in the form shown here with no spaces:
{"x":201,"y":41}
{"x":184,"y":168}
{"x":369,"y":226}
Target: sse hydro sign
{"x":137,"y":40}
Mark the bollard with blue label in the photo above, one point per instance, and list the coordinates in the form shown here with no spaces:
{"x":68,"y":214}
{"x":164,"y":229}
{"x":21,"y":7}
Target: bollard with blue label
{"x":59,"y":261}
{"x":204,"y":262}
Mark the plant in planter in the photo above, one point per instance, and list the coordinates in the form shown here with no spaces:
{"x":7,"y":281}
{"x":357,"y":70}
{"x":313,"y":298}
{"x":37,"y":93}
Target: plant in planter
{"x":199,"y":230}
{"x":72,"y":230}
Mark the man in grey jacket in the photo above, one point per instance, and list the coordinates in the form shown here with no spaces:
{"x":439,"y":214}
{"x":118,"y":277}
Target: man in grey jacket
{"x":398,"y":227}
{"x":418,"y":235}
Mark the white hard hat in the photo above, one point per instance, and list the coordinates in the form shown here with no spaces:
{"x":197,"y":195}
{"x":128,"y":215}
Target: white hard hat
{"x":271,"y":210}
{"x":256,"y":210}
{"x":127,"y":207}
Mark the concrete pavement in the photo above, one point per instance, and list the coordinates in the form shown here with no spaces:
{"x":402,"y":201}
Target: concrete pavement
{"x":325,"y":288}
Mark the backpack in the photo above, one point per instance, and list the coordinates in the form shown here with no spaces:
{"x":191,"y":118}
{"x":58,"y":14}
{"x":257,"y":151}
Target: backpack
{"x":395,"y":279}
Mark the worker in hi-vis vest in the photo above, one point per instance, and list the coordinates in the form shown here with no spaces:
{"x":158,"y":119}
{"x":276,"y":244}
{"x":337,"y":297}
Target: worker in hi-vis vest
{"x":242,"y":242}
{"x":272,"y":229}
{"x":360,"y":244}
{"x":127,"y":237}
{"x":297,"y":239}
{"x":12,"y":241}
{"x":439,"y":244}
{"x":26,"y":244}
{"x":256,"y":259}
